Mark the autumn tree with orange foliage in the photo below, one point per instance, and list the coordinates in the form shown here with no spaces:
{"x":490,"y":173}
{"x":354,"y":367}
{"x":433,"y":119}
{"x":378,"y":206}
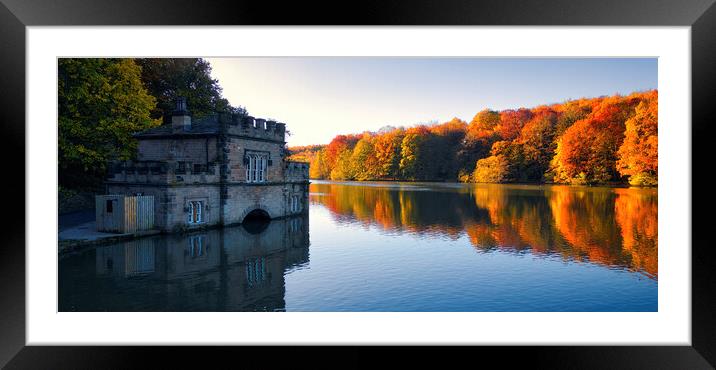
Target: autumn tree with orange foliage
{"x":387,"y":154}
{"x":638,"y":155}
{"x":587,"y":152}
{"x":585,"y":141}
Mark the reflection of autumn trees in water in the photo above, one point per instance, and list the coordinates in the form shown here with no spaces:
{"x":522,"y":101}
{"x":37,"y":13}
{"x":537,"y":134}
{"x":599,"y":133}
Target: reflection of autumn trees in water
{"x":637,"y":218}
{"x":613,"y":227}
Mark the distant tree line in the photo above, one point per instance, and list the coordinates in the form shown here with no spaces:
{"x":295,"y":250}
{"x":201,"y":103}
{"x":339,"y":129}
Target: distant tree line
{"x":103,"y":101}
{"x":602,"y":140}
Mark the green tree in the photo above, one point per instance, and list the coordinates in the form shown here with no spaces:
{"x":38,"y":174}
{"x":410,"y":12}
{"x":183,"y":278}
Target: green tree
{"x":168,"y":78}
{"x":102,"y":102}
{"x":520,"y":170}
{"x":441,"y":149}
{"x":412,"y":161}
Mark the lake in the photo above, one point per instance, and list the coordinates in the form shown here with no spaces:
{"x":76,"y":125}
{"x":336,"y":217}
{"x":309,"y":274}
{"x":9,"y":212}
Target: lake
{"x":386,"y":246}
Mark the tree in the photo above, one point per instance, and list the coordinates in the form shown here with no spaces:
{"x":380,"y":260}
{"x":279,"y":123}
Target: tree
{"x":412,"y":159}
{"x":491,"y":169}
{"x":168,"y":78}
{"x":512,"y":122}
{"x":484,"y":123}
{"x":333,"y":150}
{"x":318,"y":168}
{"x":102,"y":102}
{"x":442,"y":148}
{"x":584,"y":141}
{"x":363,"y":161}
{"x":481,"y":133}
{"x":537,"y":143}
{"x":638,"y":155}
{"x":519,"y":169}
{"x":586,"y":153}
{"x":343,"y":169}
{"x":571,"y":112}
{"x":387,"y":153}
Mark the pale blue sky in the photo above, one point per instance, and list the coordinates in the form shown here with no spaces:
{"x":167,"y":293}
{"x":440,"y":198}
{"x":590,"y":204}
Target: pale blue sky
{"x":320,"y":97}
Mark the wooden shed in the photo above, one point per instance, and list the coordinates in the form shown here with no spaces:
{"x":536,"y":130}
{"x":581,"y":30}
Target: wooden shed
{"x":124,"y":213}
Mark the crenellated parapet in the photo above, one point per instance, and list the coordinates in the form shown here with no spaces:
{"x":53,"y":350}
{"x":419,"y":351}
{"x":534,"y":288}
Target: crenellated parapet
{"x":259,"y":128}
{"x":296,"y":171}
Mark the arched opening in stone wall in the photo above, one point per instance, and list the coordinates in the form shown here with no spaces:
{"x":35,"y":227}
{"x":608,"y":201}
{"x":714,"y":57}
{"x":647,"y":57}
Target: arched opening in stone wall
{"x":256,"y":221}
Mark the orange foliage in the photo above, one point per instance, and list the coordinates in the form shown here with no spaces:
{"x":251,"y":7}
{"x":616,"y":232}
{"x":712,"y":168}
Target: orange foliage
{"x":512,"y":122}
{"x":587,"y":151}
{"x":638,"y":155}
{"x":585,"y":141}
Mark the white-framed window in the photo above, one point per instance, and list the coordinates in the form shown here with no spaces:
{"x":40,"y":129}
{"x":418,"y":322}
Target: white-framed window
{"x":195,"y":210}
{"x":256,"y":164}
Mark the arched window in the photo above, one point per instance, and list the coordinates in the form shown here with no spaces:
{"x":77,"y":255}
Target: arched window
{"x":195,"y":212}
{"x":262,"y":169}
{"x":256,"y":164}
{"x":191,"y":213}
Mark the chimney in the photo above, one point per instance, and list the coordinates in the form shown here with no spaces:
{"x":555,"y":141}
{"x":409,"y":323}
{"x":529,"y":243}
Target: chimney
{"x":181,"y":120}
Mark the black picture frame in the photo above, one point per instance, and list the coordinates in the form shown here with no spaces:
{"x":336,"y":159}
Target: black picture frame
{"x":16,"y":15}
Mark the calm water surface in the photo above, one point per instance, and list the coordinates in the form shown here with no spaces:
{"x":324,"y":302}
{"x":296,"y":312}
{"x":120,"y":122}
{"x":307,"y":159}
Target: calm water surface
{"x":394,"y":247}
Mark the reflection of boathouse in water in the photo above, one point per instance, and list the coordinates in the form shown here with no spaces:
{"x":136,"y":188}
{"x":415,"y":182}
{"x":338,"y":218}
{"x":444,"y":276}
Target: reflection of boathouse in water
{"x":227,"y":269}
{"x":215,"y":170}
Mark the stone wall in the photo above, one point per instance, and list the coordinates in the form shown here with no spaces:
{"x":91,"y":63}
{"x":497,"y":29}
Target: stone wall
{"x":235,"y":157}
{"x":199,"y":150}
{"x":295,"y":171}
{"x":180,"y":198}
{"x":244,"y":198}
{"x":211,"y":169}
{"x":156,"y":172}
{"x":170,"y":203}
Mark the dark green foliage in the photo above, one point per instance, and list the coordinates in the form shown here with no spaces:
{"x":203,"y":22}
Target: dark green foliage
{"x":101,"y":103}
{"x":168,"y":78}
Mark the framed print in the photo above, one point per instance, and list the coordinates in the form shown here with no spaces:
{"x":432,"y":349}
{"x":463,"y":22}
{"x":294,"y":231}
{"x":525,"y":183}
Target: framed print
{"x":484,"y":174}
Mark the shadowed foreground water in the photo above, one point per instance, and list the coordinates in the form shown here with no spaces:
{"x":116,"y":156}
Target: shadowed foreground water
{"x":394,"y":247}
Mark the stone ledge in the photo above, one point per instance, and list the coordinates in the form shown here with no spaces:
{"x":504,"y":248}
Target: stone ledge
{"x":85,"y":235}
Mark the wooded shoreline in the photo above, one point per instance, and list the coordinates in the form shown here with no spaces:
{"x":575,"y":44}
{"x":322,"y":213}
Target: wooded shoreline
{"x":590,"y":141}
{"x":615,"y":185}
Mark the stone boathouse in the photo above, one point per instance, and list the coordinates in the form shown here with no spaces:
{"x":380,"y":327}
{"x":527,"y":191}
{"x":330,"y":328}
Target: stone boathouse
{"x":216,"y":170}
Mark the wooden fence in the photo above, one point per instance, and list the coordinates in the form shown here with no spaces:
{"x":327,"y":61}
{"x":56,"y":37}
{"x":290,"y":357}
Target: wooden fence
{"x":124,"y":213}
